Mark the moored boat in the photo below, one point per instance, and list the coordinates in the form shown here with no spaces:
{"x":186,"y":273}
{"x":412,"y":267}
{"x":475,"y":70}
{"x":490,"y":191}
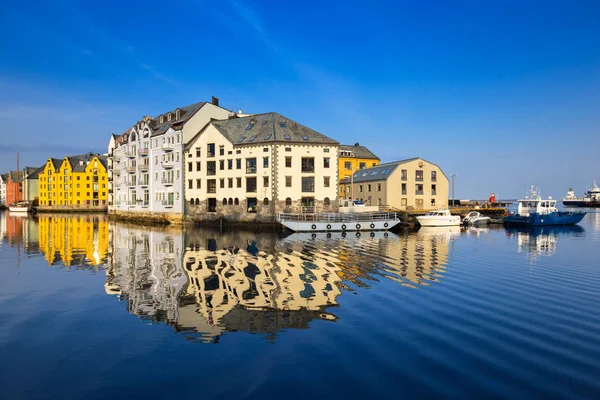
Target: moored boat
{"x":340,"y":222}
{"x":21,"y":206}
{"x":475,"y":218}
{"x":439,"y":218}
{"x":534,"y":211}
{"x":590,"y":199}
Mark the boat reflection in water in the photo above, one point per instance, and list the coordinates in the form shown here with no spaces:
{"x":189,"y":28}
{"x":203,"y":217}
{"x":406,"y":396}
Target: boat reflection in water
{"x":259,"y":283}
{"x":541,"y":241}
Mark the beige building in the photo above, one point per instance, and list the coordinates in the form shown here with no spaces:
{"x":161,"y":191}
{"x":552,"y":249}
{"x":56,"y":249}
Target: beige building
{"x":251,"y":168}
{"x":411,"y":184}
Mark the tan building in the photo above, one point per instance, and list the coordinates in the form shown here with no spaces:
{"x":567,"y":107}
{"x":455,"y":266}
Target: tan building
{"x":251,"y":168}
{"x":411,"y":184}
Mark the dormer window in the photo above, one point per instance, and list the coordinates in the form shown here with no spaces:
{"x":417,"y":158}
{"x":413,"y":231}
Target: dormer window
{"x":162,"y":119}
{"x":169,"y":117}
{"x":177,"y":114}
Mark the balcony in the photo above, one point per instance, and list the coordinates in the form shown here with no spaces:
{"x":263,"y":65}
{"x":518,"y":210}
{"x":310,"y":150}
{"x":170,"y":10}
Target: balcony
{"x":144,"y":167}
{"x":167,"y":204}
{"x":143,"y":152}
{"x":130,"y":169}
{"x":116,"y":171}
{"x":167,"y":182}
{"x":167,"y":164}
{"x":130,"y":183}
{"x":144,"y":183}
{"x":130,"y":154}
{"x":167,"y":147}
{"x":142,"y":204}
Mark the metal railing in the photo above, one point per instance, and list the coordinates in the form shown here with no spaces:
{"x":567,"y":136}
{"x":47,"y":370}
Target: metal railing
{"x":143,"y":152}
{"x":338,"y":217}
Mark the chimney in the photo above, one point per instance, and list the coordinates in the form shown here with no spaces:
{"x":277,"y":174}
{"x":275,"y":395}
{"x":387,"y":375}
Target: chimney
{"x":356,"y":144}
{"x":215,"y":101}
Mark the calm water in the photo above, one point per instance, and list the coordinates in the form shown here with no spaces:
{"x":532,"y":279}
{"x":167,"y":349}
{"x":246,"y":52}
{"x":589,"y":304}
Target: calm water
{"x":96,"y":309}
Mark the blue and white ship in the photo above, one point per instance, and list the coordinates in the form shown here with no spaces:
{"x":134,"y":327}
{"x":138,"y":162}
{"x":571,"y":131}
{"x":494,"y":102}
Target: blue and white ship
{"x":534,"y":211}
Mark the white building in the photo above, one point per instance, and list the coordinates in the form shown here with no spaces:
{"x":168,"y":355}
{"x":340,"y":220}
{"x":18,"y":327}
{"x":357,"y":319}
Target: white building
{"x":145,"y":163}
{"x":251,"y":168}
{"x":3,"y":178}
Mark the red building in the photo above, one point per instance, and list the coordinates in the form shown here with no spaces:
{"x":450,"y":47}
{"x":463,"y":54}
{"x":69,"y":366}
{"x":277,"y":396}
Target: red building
{"x":14,"y":187}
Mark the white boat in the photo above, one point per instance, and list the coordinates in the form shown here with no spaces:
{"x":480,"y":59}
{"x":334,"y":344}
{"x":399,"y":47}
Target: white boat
{"x":21,"y":206}
{"x":341,"y":222}
{"x":439,"y":218}
{"x":475,"y":218}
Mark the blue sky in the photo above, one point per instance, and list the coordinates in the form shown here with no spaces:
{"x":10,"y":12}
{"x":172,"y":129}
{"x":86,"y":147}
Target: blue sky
{"x":505,"y":94}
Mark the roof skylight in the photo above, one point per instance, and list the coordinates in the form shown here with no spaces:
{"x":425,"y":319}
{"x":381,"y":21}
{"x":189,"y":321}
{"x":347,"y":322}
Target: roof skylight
{"x":385,"y":171}
{"x":375,"y":172}
{"x":240,"y":140}
{"x":287,"y":137}
{"x":252,"y":138}
{"x":304,"y":137}
{"x":268,"y":136}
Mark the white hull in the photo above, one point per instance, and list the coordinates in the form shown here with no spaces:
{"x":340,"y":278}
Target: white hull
{"x":323,"y":226}
{"x":439,"y":221}
{"x":18,"y":209}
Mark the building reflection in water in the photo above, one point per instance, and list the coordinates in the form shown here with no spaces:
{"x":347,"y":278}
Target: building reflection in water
{"x":541,"y":241}
{"x":73,"y":240}
{"x":259,"y":283}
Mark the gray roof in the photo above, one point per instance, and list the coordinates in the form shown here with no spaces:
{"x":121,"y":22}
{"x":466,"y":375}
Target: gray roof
{"x":383,"y":171}
{"x":358,"y":151}
{"x":32,"y":173}
{"x":16,"y":176}
{"x":185,"y":113}
{"x":4,"y":177}
{"x":267,"y":128}
{"x":56,"y":162}
{"x":79,"y":162}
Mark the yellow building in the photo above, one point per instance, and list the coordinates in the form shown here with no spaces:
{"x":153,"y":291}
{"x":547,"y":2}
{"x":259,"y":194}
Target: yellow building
{"x":351,"y":159}
{"x":74,"y":240}
{"x":75,"y":181}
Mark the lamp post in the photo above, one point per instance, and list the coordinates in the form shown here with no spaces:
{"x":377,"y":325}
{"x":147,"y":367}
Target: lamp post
{"x":453,"y":175}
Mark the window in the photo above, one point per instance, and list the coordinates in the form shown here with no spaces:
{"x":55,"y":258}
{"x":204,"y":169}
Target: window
{"x":250,"y":165}
{"x":190,"y":167}
{"x":433,"y":190}
{"x":379,"y":187}
{"x":238,"y":152}
{"x":230,"y":201}
{"x":433,"y":176}
{"x":419,"y":175}
{"x":222,"y":183}
{"x":236,"y":201}
{"x":362,"y":165}
{"x":190,"y":184}
{"x":326,"y":162}
{"x":251,"y":202}
{"x":238,"y":163}
{"x":198,"y":153}
{"x":308,"y":202}
{"x":288,"y":149}
{"x":221,"y":165}
{"x":404,"y":188}
{"x":368,"y":187}
{"x":348,"y":165}
{"x":308,"y":184}
{"x":265,"y":162}
{"x":211,"y":150}
{"x":211,"y":186}
{"x":402,"y":202}
{"x":326,"y":201}
{"x":251,"y":185}
{"x":224,"y":202}
{"x":229,"y":164}
{"x":404,"y":174}
{"x":265,"y":149}
{"x":199,"y":165}
{"x":238,"y":182}
{"x":198,"y":184}
{"x":211,"y":168}
{"x":288,"y":202}
{"x":221,"y":150}
{"x":288,"y":162}
{"x":433,"y":202}
{"x":419,"y":188}
{"x":265,"y":201}
{"x":326,"y":150}
{"x":229,"y":182}
{"x":308,"y":164}
{"x":265,"y":181}
{"x":288,"y":181}
{"x":326,"y":181}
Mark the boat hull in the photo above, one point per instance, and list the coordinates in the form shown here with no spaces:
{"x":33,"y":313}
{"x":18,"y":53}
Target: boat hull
{"x":440,"y":221}
{"x":552,"y":219}
{"x":324,"y":226}
{"x":18,"y":209}
{"x":579,"y":203}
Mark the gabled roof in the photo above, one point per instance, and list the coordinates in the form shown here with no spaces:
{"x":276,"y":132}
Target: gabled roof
{"x":185,"y":113}
{"x":16,"y":176}
{"x":56,"y":162}
{"x":267,"y":128}
{"x":4,"y":177}
{"x":79,"y":162}
{"x":383,"y":171}
{"x":358,"y":151}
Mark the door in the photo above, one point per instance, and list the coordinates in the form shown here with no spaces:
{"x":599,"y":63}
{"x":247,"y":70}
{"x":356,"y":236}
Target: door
{"x":419,"y":204}
{"x":212,"y":205}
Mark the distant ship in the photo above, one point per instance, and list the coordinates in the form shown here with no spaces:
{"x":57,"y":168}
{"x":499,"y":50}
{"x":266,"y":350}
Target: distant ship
{"x":590,"y":199}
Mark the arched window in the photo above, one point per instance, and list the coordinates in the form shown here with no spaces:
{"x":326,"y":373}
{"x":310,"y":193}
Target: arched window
{"x":288,"y":202}
{"x":177,"y":114}
{"x":169,"y":117}
{"x":132,"y":136}
{"x":162,"y":119}
{"x":224,"y":201}
{"x":230,"y":201}
{"x":326,"y":201}
{"x":236,"y":201}
{"x":197,"y":202}
{"x":265,"y":202}
{"x":192,"y":201}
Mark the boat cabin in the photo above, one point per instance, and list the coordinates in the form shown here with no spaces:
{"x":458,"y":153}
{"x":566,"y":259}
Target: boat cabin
{"x":536,"y":206}
{"x":438,"y":213}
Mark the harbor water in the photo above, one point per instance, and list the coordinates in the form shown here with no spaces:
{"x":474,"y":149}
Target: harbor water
{"x":94,"y":309}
